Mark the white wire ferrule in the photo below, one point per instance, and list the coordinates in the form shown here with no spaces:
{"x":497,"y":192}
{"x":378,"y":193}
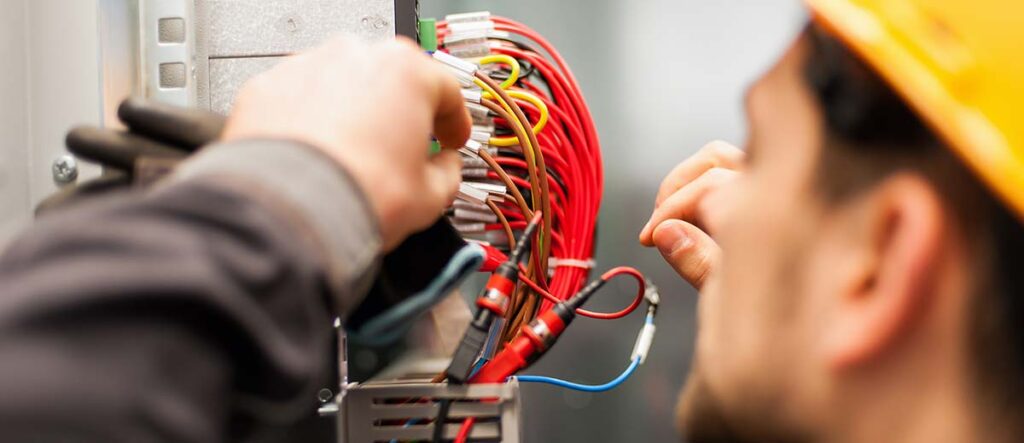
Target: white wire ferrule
{"x":474,"y":216}
{"x":462,"y":204}
{"x":472,"y":95}
{"x":472,"y":194}
{"x":466,"y":17}
{"x":644,"y":340}
{"x":475,"y":172}
{"x":489,"y":188}
{"x":468,"y":50}
{"x":466,"y":228}
{"x":456,"y":63}
{"x":480,"y":137}
{"x":484,"y":26}
{"x":472,"y":161}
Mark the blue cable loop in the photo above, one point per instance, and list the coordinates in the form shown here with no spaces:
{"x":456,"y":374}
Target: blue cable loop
{"x":581,"y":387}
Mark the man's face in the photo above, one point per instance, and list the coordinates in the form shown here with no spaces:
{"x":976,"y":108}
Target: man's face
{"x":753,"y":377}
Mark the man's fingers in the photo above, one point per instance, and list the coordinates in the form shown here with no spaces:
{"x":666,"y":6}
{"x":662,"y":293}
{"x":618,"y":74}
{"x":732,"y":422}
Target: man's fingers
{"x":717,"y":154}
{"x":452,"y":123}
{"x":444,"y":172}
{"x":687,"y":249}
{"x":684,"y":202}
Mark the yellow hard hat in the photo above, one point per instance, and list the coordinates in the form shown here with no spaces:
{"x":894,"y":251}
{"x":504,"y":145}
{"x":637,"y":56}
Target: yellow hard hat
{"x":959,"y":64}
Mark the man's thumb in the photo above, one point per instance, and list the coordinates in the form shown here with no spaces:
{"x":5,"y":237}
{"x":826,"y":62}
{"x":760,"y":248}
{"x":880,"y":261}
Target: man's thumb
{"x":690,"y":251}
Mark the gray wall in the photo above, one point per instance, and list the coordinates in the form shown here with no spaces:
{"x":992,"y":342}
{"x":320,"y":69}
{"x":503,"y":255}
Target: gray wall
{"x":662,"y":77}
{"x":49,"y":83}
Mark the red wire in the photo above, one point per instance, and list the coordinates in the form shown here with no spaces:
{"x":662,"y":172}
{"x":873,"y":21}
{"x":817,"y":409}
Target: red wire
{"x":467,"y":427}
{"x":622,"y":270}
{"x":571,"y":149}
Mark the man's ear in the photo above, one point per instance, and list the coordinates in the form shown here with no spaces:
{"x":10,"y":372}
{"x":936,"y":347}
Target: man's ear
{"x":898,"y":230}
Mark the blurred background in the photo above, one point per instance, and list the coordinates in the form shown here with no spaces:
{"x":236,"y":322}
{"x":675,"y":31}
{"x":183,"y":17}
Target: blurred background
{"x":662,"y":78}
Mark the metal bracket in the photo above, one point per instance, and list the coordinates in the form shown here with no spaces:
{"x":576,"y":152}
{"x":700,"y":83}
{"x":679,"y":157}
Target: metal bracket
{"x":168,"y":45}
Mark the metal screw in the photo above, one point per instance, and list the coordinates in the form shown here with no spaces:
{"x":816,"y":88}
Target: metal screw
{"x":325,"y":395}
{"x":65,"y":169}
{"x":374,"y":22}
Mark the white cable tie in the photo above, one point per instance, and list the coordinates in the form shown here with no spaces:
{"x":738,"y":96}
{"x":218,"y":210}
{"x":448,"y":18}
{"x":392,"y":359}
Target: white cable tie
{"x":455,"y":62}
{"x":643,"y":342}
{"x":472,"y":95}
{"x":473,"y":216}
{"x":475,"y":16}
{"x":571,"y":263}
{"x":472,"y":194}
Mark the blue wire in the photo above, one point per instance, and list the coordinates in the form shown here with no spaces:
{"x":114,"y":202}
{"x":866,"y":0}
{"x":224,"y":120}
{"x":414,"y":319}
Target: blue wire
{"x":392,"y":325}
{"x":580,"y":387}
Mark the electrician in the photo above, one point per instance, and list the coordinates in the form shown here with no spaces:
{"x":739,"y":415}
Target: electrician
{"x":860,"y":263}
{"x":201,"y":311}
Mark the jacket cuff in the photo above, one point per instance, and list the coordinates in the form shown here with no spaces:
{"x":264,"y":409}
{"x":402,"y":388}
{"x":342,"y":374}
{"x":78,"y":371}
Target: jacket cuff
{"x":305,"y":186}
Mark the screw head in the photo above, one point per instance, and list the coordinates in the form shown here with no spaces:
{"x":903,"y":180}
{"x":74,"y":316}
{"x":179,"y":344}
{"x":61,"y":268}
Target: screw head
{"x":325,"y":395}
{"x":65,"y":169}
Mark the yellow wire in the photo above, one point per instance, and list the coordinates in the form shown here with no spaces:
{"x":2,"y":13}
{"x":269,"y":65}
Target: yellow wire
{"x":527,"y":145}
{"x":529,"y":151}
{"x":526,"y":96}
{"x":508,"y":60}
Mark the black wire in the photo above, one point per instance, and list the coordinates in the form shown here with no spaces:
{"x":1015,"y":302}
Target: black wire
{"x":442,"y":419}
{"x":527,"y":69}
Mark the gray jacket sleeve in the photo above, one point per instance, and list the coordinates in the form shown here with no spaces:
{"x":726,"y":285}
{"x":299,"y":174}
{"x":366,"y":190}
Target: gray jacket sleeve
{"x":198,"y":311}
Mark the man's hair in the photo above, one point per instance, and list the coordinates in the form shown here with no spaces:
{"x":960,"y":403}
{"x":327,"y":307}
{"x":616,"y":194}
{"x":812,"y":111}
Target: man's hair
{"x":871,"y":134}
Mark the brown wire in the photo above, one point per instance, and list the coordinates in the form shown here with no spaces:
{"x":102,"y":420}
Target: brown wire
{"x":504,"y":224}
{"x":539,"y":176}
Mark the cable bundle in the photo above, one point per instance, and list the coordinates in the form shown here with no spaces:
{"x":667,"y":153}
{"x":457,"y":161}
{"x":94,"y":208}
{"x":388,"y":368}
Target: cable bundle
{"x":534,"y":148}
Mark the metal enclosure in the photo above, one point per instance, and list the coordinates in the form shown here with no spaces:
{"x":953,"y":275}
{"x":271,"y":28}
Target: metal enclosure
{"x":200,"y":52}
{"x":495,"y":406}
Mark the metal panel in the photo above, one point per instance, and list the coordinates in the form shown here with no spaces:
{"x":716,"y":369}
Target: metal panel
{"x":227,"y":75}
{"x":14,"y":152}
{"x":363,"y":406}
{"x":168,"y":67}
{"x":63,"y":86}
{"x":241,"y":38}
{"x":247,"y":28}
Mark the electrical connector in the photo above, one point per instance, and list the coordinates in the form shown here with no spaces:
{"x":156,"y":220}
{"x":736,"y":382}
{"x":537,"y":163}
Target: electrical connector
{"x":467,"y":215}
{"x":477,"y":173}
{"x":480,"y":114}
{"x":466,"y":17}
{"x":471,"y":95}
{"x":493,"y":189}
{"x":469,"y":228}
{"x":473,"y":194}
{"x":456,"y":63}
{"x":469,"y":50}
{"x":471,"y":148}
{"x":485,"y":26}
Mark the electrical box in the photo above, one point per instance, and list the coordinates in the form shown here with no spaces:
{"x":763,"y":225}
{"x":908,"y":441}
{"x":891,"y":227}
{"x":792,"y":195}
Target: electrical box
{"x":200,"y":52}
